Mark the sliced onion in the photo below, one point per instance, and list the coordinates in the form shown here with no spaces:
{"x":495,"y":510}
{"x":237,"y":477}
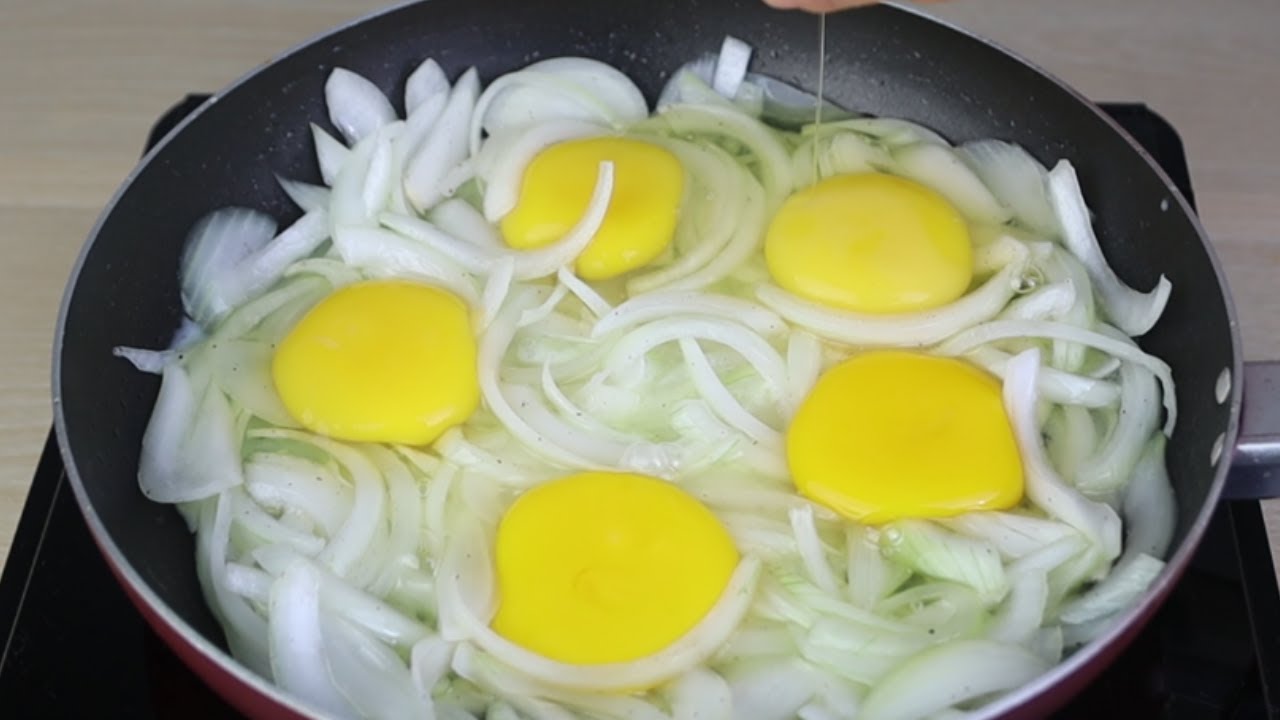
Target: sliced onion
{"x":388,"y":254}
{"x":1054,"y":385}
{"x":938,"y":167}
{"x":265,"y":266}
{"x":152,"y":362}
{"x":369,"y":675}
{"x":812,"y":552}
{"x":700,"y":694}
{"x":495,"y":290}
{"x":424,"y":83}
{"x":306,"y":196}
{"x":545,"y":261}
{"x":558,"y":89}
{"x":501,"y":164}
{"x":330,"y":154}
{"x":1016,"y":179}
{"x":908,"y":329}
{"x":462,"y":221}
{"x":773,"y":160}
{"x":731,"y":66}
{"x":1150,"y":508}
{"x":745,"y":240}
{"x":1133,"y":312}
{"x":891,"y":132}
{"x":189,"y":449}
{"x":705,"y":227}
{"x":245,"y":629}
{"x":468,"y":255}
{"x":357,"y":108}
{"x":978,"y":335}
{"x":594,"y":303}
{"x":660,"y":304}
{"x":722,"y":402}
{"x":1095,"y":520}
{"x":947,"y":675}
{"x":627,"y":354}
{"x":215,"y":248}
{"x":690,"y":650}
{"x":444,"y":147}
{"x":298,"y":653}
{"x":1023,"y":610}
{"x":1111,"y":465}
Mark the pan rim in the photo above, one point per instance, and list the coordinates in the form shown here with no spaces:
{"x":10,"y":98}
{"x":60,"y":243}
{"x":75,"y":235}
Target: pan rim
{"x":1011,"y":701}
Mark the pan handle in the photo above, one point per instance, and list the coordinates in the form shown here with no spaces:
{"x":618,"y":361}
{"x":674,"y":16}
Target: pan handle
{"x":1255,"y":466}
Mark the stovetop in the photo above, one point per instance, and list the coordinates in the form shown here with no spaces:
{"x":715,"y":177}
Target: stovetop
{"x":74,"y":647}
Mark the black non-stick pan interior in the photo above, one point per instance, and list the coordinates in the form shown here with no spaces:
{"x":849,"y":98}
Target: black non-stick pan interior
{"x":882,"y":61}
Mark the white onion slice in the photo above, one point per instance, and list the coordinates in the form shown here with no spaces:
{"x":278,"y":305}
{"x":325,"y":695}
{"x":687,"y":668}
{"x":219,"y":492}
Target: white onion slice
{"x":387,"y":254}
{"x":330,"y":154}
{"x":1133,"y":312}
{"x":722,"y":401}
{"x":812,"y":553}
{"x":1096,"y":521}
{"x":469,"y":256}
{"x":545,"y":261}
{"x":306,"y":196}
{"x":946,"y":675}
{"x":1016,"y":179}
{"x":731,"y":66}
{"x":690,"y":650}
{"x":444,"y":147}
{"x":664,"y":303}
{"x":189,"y":449}
{"x":593,"y":301}
{"x":938,"y":167}
{"x":215,"y":248}
{"x":357,"y":108}
{"x":424,"y":83}
{"x":978,"y":335}
{"x":500,"y":165}
{"x":297,"y":644}
{"x":908,"y":329}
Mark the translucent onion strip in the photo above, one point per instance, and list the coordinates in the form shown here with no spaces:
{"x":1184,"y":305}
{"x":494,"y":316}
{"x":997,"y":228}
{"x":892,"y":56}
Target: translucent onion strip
{"x":965,"y":341}
{"x":948,"y":675}
{"x":722,"y":402}
{"x":297,"y":646}
{"x":1043,"y":486}
{"x":664,"y":303}
{"x":1054,"y":385}
{"x":1132,"y":311}
{"x":444,"y":147}
{"x":689,"y":651}
{"x":908,"y":329}
{"x":356,"y":106}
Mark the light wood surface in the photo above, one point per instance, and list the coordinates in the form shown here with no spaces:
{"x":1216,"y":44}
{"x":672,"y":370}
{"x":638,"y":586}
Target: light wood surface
{"x":81,"y":82}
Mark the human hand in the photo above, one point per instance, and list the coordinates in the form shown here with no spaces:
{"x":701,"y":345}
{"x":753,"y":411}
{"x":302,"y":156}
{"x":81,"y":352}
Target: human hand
{"x":819,"y":6}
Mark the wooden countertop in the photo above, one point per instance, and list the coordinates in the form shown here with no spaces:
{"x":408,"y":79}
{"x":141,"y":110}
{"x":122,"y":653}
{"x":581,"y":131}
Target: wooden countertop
{"x":81,"y":83}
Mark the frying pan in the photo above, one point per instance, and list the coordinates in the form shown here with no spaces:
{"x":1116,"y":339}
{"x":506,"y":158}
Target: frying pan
{"x":882,"y":61}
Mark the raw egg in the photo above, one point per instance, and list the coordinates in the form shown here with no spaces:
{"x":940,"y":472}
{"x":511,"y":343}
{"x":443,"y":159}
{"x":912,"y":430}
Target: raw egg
{"x":870,"y":243}
{"x":380,"y":361}
{"x":891,"y":434}
{"x":604,"y":567}
{"x":639,"y":223}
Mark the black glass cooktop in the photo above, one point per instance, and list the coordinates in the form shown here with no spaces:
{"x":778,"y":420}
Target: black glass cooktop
{"x":73,"y":646}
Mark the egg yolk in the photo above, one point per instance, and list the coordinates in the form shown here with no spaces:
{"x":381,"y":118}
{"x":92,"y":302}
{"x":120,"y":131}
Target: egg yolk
{"x":605,"y":567}
{"x":870,"y":243}
{"x":648,"y":183}
{"x":887,"y":435}
{"x":380,"y":361}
